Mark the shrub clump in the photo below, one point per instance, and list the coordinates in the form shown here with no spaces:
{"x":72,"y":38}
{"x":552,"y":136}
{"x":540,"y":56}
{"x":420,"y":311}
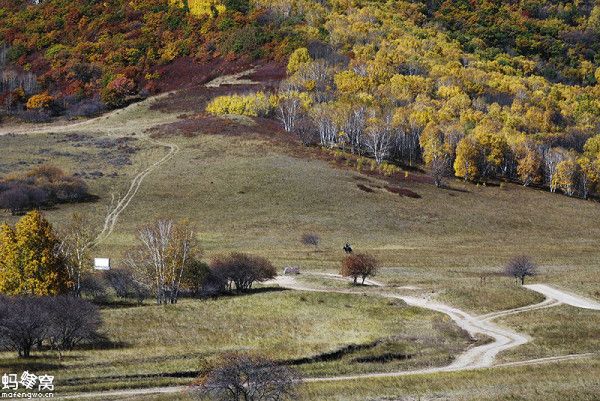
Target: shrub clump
{"x":40,"y":101}
{"x":252,"y":105}
{"x":41,"y":186}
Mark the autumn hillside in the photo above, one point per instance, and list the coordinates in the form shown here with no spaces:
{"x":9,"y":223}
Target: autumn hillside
{"x":484,"y":90}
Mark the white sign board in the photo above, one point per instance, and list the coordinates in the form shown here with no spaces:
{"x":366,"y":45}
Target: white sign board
{"x":102,"y":264}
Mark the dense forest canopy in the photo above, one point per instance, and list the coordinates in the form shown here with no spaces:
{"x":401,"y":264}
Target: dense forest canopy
{"x":488,"y":88}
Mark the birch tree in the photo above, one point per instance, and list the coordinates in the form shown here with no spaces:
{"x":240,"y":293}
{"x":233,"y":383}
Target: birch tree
{"x":165,"y":252}
{"x":323,"y":116}
{"x":354,"y":127}
{"x":77,"y":241}
{"x":378,"y":138}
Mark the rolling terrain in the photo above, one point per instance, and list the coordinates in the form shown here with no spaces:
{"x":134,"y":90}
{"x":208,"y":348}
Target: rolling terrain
{"x":250,"y":187}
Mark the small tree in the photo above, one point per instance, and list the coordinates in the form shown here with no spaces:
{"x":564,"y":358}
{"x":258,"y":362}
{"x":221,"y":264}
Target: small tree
{"x":24,"y":323}
{"x":243,"y":270}
{"x":249,"y":379}
{"x":359,"y":265}
{"x":440,"y":169}
{"x":72,"y":321}
{"x":195,"y":276}
{"x":30,"y":258}
{"x":77,"y":241}
{"x":60,"y":322}
{"x":520,"y":267}
{"x":311,"y":239}
{"x":166,"y":251}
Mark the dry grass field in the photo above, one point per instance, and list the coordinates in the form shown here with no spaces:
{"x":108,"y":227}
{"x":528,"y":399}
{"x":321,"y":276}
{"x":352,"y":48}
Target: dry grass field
{"x":153,"y":344}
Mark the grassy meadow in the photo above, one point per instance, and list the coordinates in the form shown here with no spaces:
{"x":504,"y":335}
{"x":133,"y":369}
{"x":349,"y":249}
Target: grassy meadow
{"x":249,"y":192}
{"x":170,"y":343}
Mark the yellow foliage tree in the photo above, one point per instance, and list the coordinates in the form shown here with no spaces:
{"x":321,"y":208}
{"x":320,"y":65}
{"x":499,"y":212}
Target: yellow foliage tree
{"x":466,"y":164}
{"x":297,"y":59}
{"x":40,"y":101}
{"x":529,"y":167}
{"x":592,"y":147}
{"x":590,"y":174}
{"x":405,"y":88}
{"x":29,"y":261}
{"x":431,"y":141}
{"x":565,"y":176}
{"x":493,"y":144}
{"x":201,"y":8}
{"x":349,"y":82}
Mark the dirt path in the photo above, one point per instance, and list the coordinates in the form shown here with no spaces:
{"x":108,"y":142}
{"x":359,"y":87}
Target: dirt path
{"x":122,"y":122}
{"x":111,"y":218}
{"x":482,"y":356}
{"x":564,"y":297}
{"x":179,"y":389}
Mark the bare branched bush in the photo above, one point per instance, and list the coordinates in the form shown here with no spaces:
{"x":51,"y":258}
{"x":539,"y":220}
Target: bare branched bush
{"x":243,"y":270}
{"x":311,"y":239}
{"x":125,"y":285}
{"x":440,"y":169}
{"x":520,"y":267}
{"x":41,"y":186}
{"x":249,"y":379}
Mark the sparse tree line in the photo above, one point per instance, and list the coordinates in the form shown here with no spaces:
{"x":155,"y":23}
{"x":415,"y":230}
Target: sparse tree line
{"x":168,"y":260}
{"x":39,"y":187}
{"x":37,"y":284}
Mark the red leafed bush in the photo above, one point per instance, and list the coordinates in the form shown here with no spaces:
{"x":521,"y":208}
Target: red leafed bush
{"x":116,"y":92}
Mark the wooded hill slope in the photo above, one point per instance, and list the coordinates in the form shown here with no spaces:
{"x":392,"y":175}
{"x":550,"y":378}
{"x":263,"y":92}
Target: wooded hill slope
{"x":489,"y":89}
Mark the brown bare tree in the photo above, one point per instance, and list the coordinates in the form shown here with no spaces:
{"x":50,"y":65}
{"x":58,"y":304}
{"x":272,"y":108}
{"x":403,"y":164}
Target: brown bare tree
{"x":72,"y":321}
{"x":440,"y":169}
{"x":60,"y":322}
{"x":311,"y":239}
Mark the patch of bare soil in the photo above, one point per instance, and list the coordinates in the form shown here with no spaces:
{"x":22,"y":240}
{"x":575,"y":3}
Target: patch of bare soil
{"x":402,"y":192}
{"x":186,"y":72}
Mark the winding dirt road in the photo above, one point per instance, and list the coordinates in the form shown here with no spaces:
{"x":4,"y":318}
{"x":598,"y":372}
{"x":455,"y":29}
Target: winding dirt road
{"x":481,"y":356}
{"x":478,"y":357}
